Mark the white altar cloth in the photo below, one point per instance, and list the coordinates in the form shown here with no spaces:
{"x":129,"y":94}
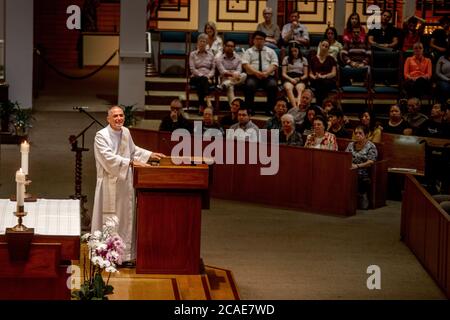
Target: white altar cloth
{"x":47,"y":217}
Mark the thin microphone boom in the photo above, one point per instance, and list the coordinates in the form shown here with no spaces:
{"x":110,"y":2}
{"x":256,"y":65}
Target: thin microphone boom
{"x":80,"y":108}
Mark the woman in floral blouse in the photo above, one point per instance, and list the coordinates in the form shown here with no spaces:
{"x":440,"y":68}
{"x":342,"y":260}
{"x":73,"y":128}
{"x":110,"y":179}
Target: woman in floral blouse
{"x":364,"y":154}
{"x":320,"y":139}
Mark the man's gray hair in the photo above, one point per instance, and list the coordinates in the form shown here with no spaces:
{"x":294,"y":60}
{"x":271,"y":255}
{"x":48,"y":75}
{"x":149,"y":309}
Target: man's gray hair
{"x":114,"y":107}
{"x":202,"y":36}
{"x":310,"y":91}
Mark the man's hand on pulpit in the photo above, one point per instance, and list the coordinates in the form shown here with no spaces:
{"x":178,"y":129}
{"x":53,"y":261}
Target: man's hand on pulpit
{"x":157,"y":156}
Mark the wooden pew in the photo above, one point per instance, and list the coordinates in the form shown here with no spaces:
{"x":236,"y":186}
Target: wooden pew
{"x":406,"y":152}
{"x":425,"y":229}
{"x":312,"y":180}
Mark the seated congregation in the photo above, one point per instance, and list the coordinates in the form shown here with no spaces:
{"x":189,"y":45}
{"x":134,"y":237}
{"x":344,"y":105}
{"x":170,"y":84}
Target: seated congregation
{"x":401,"y":63}
{"x":305,"y":84}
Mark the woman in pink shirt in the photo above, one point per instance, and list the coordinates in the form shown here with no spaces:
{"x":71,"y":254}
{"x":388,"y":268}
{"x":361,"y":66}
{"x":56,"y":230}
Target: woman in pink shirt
{"x":417,"y":73}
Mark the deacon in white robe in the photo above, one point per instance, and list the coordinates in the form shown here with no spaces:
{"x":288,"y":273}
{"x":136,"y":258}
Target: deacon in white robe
{"x":115,"y":152}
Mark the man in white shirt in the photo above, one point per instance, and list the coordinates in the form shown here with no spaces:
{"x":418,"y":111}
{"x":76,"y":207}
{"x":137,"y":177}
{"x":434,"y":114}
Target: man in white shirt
{"x":260,"y":63}
{"x":295,"y":31}
{"x":115,"y":153}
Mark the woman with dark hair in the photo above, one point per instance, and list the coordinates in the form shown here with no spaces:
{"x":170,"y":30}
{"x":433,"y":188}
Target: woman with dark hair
{"x":396,"y":124}
{"x":364,"y":154}
{"x":306,"y":128}
{"x":320,"y":138}
{"x":294,"y":73}
{"x":366,"y":119}
{"x":443,"y":77}
{"x":354,"y":22}
{"x":331,"y":36}
{"x":417,"y":73}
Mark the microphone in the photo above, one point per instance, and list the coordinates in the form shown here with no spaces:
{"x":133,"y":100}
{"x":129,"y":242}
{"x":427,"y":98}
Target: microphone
{"x":80,"y":108}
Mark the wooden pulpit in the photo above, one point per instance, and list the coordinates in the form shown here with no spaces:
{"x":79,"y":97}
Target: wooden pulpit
{"x":169,"y":204}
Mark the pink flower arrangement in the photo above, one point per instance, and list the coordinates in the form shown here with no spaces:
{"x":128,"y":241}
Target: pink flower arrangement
{"x":106,"y":249}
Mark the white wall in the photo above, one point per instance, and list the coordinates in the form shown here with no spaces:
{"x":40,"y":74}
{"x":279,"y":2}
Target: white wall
{"x":19,"y":51}
{"x":132,"y":41}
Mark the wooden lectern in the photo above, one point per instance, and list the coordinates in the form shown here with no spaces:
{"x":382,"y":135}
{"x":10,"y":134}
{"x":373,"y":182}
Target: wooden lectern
{"x":169,"y":204}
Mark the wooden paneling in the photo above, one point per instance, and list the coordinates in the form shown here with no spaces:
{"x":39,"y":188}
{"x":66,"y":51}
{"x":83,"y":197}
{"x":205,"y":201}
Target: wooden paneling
{"x":43,"y":261}
{"x":36,"y":289}
{"x":162,"y":177}
{"x":425,"y":230}
{"x":407,"y":151}
{"x":304,"y":177}
{"x":168,"y":232}
{"x":70,"y":246}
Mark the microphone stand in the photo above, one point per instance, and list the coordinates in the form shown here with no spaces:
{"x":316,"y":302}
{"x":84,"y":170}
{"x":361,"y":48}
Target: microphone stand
{"x":73,"y":140}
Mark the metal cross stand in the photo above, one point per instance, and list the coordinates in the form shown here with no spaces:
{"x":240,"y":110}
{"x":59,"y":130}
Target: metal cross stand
{"x":73,"y":140}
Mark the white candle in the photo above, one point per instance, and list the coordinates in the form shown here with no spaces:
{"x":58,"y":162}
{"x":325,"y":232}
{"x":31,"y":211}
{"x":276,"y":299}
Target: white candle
{"x":25,"y":150}
{"x":20,"y":187}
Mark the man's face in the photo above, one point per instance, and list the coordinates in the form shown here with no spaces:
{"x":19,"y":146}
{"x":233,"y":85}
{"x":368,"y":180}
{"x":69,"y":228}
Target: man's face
{"x":116,"y":118}
{"x":293,"y":17}
{"x":413,"y":107}
{"x":175,"y":108}
{"x":258,"y":42}
{"x":306,"y":99}
{"x":334,"y":120}
{"x":356,"y":33}
{"x":243,"y":117}
{"x":280,"y":108}
{"x":436,"y":112}
{"x":208,"y":116}
{"x":228,"y":48}
{"x":235,"y":105}
{"x":385,"y":18}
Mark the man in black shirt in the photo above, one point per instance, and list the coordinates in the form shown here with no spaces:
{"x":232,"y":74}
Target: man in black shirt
{"x":386,"y":37}
{"x":440,"y":39}
{"x":435,"y":126}
{"x":175,"y":119}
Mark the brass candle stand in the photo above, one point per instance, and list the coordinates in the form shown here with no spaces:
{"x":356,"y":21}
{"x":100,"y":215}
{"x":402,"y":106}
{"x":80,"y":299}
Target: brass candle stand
{"x":20,"y":213}
{"x":19,"y":237}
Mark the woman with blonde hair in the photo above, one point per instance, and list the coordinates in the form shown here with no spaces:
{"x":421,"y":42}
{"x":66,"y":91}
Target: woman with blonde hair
{"x":215,"y":43}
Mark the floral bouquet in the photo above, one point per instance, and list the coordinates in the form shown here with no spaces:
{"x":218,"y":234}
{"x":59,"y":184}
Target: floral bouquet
{"x":105,"y":249}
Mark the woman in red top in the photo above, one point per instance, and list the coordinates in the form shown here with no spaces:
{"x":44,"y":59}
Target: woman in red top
{"x":417,"y":73}
{"x":354,"y":21}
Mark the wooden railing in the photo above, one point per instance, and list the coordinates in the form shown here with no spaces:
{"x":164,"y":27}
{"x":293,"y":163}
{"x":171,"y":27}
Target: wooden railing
{"x":425,"y":229}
